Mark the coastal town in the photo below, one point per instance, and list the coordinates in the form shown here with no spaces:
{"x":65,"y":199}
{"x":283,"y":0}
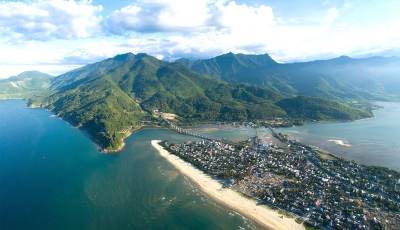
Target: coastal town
{"x":318,"y":189}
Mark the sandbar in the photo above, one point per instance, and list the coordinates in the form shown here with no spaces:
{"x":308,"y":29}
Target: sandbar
{"x":267,"y":218}
{"x":340,"y":142}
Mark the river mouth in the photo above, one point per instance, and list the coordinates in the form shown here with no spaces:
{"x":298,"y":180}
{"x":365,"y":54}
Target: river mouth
{"x":374,"y":141}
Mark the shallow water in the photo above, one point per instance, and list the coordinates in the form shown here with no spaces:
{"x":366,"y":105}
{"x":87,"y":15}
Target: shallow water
{"x":373,"y":141}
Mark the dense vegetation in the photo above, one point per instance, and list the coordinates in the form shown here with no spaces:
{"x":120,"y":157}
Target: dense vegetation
{"x":111,"y":98}
{"x":108,"y":97}
{"x":99,"y":107}
{"x":26,"y":83}
{"x":305,"y":108}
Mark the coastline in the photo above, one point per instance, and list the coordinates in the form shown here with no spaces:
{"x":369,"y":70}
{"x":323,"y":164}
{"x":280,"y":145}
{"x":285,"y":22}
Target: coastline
{"x":122,"y":146}
{"x":269,"y":219}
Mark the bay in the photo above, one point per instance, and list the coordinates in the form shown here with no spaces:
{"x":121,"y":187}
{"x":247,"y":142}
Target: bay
{"x":53,"y":177}
{"x":374,"y":141}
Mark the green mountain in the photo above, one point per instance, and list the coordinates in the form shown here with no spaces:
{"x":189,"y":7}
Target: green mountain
{"x":288,"y":79}
{"x":378,"y":75}
{"x":306,"y":108}
{"x":107,"y":97}
{"x":111,"y":98}
{"x":24,"y":84}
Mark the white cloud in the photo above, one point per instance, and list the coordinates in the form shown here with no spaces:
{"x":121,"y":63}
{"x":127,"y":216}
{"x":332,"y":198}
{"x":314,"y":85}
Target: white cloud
{"x":200,"y":28}
{"x":243,"y":17}
{"x":159,"y":16}
{"x":341,"y":25}
{"x":43,"y":20}
{"x":188,"y":17}
{"x":7,"y":71}
{"x":56,"y":32}
{"x":333,"y":14}
{"x":91,"y":51}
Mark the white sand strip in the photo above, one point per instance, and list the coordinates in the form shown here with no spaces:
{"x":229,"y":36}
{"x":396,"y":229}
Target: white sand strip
{"x":341,"y":142}
{"x":268,"y":218}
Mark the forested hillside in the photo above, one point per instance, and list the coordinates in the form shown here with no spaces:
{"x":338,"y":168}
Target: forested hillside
{"x":28,"y":82}
{"x":305,"y":108}
{"x":111,"y":98}
{"x":108,"y":97}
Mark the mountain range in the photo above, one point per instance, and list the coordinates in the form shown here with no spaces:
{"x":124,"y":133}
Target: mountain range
{"x":111,"y":98}
{"x":376,"y":78}
{"x":377,"y":75}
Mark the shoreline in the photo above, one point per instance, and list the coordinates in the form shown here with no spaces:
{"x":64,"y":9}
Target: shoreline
{"x":229,"y":198}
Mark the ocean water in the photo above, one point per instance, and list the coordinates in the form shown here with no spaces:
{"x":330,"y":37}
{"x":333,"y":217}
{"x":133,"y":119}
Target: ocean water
{"x":373,"y":141}
{"x":52,"y":177}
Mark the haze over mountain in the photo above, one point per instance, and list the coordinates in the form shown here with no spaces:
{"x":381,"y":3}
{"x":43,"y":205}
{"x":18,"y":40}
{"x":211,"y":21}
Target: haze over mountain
{"x":325,"y":80}
{"x":112,"y":97}
{"x":375,"y":74}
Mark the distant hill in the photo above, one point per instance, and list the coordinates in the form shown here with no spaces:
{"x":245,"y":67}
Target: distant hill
{"x":304,"y":108}
{"x":109,"y":97}
{"x":23,"y":84}
{"x":296,"y":79}
{"x":378,"y":75}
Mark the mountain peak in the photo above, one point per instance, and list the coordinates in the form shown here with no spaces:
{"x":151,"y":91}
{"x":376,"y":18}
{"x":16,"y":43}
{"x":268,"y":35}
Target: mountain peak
{"x":32,"y":74}
{"x":344,"y":57}
{"x":124,"y":57}
{"x":228,"y":54}
{"x":141,"y":55}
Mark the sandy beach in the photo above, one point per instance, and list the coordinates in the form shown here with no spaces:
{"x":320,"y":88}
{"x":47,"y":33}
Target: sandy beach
{"x":267,"y":218}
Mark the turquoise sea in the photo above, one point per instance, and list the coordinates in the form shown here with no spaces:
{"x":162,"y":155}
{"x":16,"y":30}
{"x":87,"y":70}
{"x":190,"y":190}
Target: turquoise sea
{"x":52,"y":176}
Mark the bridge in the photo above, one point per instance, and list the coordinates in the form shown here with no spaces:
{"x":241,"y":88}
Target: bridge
{"x":273,"y":132}
{"x":276,"y":135}
{"x":190,"y":133}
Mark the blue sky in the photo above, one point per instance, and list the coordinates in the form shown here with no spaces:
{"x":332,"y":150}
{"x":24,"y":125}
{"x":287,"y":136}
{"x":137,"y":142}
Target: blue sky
{"x":54,"y":36}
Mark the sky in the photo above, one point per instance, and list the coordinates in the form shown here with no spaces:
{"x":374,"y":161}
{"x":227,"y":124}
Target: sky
{"x":55,"y":36}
